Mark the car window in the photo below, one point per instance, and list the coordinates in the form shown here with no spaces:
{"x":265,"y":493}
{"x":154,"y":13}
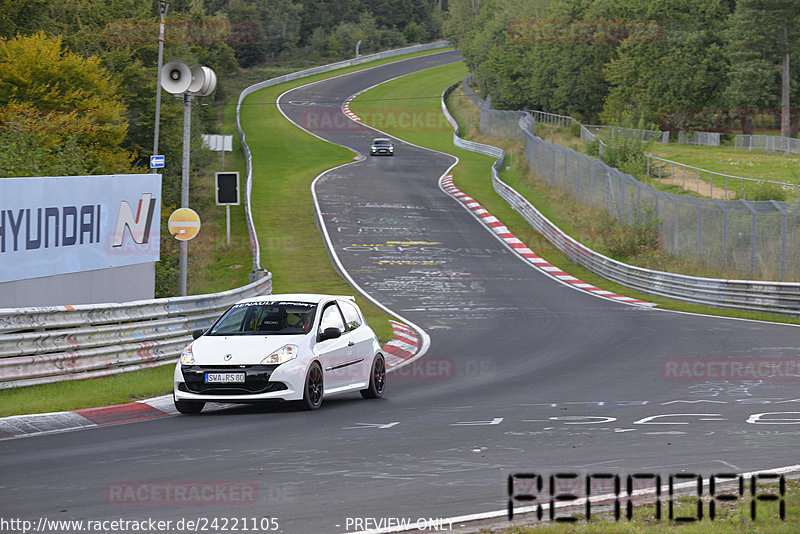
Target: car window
{"x":265,"y":318}
{"x":232,"y":322}
{"x":331,"y":318}
{"x":351,"y":315}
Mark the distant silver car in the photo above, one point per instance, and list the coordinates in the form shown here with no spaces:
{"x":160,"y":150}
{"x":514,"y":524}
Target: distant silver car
{"x":381,"y":147}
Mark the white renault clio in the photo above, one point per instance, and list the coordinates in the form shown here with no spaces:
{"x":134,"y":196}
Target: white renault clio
{"x":295,"y":347}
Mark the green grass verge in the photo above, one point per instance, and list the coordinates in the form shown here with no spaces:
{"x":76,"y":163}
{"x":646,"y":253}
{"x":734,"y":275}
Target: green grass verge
{"x":756,"y":165}
{"x":286,"y":161}
{"x":738,"y":162}
{"x":419,"y":92}
{"x":75,"y":394}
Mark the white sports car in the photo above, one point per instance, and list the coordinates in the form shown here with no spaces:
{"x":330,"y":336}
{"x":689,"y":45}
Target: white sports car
{"x":281,"y":347}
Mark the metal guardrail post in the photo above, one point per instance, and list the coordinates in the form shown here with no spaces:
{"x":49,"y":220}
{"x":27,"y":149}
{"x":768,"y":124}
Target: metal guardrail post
{"x":677,"y":228}
{"x":783,"y":237}
{"x":753,"y":227}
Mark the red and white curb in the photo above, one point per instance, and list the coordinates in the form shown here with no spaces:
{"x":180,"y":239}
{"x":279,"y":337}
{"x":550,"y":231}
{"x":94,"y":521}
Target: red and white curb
{"x":346,"y":107}
{"x":49,"y":423}
{"x":403,"y":346}
{"x":494,"y":224}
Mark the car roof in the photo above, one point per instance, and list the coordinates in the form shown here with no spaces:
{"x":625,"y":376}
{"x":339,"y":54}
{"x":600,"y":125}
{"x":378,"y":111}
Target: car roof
{"x":381,"y":139}
{"x":315,"y":298}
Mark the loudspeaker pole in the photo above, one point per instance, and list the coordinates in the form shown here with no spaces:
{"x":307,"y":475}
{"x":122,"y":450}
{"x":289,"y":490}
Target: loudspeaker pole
{"x":163,"y":5}
{"x":183,"y":260}
{"x":187,"y":82}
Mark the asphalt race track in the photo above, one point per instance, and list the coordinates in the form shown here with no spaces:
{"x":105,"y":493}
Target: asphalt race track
{"x":523,"y":374}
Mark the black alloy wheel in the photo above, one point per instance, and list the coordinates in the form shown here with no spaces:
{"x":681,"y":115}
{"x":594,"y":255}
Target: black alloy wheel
{"x":314,"y":388}
{"x":377,"y":379}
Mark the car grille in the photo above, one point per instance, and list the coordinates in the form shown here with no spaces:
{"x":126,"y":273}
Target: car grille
{"x":256,"y":379}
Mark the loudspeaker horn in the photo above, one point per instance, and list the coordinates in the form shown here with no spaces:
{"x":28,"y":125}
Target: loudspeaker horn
{"x":204,"y":80}
{"x":210,"y":82}
{"x":198,"y":79}
{"x":175,"y":77}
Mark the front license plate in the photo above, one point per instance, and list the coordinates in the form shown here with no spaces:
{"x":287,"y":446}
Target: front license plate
{"x":224,"y":378}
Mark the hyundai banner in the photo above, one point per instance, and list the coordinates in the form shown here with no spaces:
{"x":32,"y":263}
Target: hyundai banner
{"x":69,"y":224}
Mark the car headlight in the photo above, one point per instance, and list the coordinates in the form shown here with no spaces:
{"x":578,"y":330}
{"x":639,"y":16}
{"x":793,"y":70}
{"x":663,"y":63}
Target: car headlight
{"x":187,"y":357}
{"x":282,"y":355}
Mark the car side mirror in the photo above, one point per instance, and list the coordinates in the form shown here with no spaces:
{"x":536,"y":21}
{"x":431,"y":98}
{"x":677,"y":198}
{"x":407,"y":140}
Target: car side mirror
{"x":330,"y":333}
{"x":197,"y":333}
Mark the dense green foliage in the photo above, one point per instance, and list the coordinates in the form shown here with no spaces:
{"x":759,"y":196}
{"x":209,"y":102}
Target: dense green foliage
{"x":78,"y":77}
{"x":688,"y":62}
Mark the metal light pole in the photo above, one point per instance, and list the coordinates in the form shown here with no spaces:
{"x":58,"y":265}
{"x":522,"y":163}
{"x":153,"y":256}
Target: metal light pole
{"x":188,"y":82}
{"x":183,"y":260}
{"x":163,"y":5}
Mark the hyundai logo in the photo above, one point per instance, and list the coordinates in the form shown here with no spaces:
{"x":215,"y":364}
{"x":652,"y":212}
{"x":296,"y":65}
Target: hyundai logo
{"x":228,"y":357}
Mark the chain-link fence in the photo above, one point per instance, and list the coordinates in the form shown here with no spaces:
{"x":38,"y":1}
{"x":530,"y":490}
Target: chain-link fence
{"x":772,"y":143}
{"x":629,"y":134}
{"x":699,"y":138}
{"x":709,"y":183}
{"x":758,"y":238}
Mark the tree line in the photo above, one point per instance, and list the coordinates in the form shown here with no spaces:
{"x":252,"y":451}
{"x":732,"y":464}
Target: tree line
{"x":714,"y":65}
{"x":78,"y":77}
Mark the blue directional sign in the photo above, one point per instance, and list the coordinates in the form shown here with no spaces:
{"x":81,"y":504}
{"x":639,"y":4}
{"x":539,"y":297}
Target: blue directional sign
{"x":157,"y":162}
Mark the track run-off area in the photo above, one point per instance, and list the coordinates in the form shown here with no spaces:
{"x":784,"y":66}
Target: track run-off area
{"x":521,"y":373}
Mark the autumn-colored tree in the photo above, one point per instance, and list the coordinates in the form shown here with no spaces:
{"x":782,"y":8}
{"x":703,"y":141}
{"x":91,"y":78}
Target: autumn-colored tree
{"x":59,"y":112}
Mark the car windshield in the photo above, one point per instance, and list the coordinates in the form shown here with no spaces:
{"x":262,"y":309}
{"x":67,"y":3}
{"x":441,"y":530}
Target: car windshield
{"x":265,"y":318}
{"x":381,"y":142}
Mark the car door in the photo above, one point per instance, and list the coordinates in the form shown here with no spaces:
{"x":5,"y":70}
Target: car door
{"x":362,"y":339}
{"x":336,"y":354}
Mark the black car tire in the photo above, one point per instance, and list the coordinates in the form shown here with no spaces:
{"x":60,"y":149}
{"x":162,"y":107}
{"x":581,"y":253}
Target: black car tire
{"x":189,"y":407}
{"x":314,"y":389}
{"x":377,"y":379}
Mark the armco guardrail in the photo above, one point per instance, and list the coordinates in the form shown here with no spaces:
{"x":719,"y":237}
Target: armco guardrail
{"x":55,"y":343}
{"x":254,"y":245}
{"x":777,"y":297}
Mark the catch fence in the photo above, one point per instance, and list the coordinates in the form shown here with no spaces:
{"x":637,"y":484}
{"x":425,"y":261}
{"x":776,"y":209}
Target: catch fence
{"x":760,"y":239}
{"x":699,"y":138}
{"x":771,"y":143}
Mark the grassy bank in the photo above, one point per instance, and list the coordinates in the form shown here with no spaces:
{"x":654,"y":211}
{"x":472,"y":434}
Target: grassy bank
{"x":286,"y":160}
{"x":420,"y":92}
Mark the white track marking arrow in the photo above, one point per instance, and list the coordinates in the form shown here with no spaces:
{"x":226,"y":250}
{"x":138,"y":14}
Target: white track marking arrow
{"x":495,"y":421}
{"x":371,"y":425}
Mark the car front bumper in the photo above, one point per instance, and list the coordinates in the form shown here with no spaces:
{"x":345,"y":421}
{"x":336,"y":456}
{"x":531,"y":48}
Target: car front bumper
{"x":262,"y":383}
